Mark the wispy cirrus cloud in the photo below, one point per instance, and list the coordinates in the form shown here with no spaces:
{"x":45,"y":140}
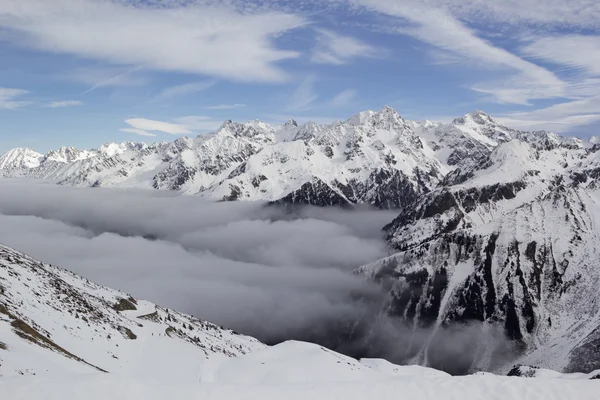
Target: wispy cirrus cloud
{"x":186,"y":125}
{"x":10,"y":98}
{"x":196,"y":38}
{"x":63,"y":103}
{"x":98,"y":77}
{"x":579,"y":56}
{"x":336,"y":49}
{"x":304,"y":95}
{"x":343,"y":98}
{"x":159,"y":126}
{"x":577,"y":52}
{"x":186,"y":89}
{"x":442,"y":30}
{"x":542,"y":13}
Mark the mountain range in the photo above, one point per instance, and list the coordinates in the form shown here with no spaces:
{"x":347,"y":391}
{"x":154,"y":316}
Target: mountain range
{"x":375,"y":158}
{"x":495,"y":226}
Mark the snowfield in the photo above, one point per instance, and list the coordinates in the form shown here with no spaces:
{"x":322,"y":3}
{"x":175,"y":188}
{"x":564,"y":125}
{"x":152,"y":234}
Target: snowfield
{"x":273,"y":383}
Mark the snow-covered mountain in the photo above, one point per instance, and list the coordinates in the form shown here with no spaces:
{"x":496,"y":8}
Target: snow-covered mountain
{"x":19,"y":160}
{"x":375,"y":158}
{"x":54,"y":322}
{"x":510,"y":242}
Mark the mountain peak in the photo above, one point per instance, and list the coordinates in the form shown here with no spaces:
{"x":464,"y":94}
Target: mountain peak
{"x":479,"y":117}
{"x":386,"y":114}
{"x":20,"y":157}
{"x":291,"y":122}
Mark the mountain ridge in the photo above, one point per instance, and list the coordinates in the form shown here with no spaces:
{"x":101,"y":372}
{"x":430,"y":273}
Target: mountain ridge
{"x":246,"y":161}
{"x":509,"y":242}
{"x":53,"y":321}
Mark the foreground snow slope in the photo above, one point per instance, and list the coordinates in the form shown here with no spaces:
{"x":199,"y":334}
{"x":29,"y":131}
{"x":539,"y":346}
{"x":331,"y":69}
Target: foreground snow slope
{"x":54,"y":322}
{"x":295,"y":362}
{"x":64,"y":337}
{"x":481,"y":387}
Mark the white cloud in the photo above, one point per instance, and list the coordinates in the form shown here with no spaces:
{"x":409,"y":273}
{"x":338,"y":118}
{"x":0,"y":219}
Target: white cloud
{"x":578,"y":52}
{"x":101,"y":77}
{"x":140,"y":132}
{"x":336,"y":49}
{"x":343,"y":98}
{"x":186,"y":89}
{"x":64,"y":103}
{"x":9,"y":98}
{"x":580,"y":13}
{"x":199,"y":123}
{"x":225,"y":106}
{"x":560,"y":125}
{"x":580,"y":56}
{"x":439,"y":28}
{"x":561,"y":117}
{"x":200,"y":39}
{"x":304,"y":95}
{"x":160,"y":126}
{"x":542,"y":13}
{"x":181,"y":126}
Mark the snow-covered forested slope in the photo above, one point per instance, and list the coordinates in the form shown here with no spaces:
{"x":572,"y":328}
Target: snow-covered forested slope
{"x":53,"y":322}
{"x":375,"y":158}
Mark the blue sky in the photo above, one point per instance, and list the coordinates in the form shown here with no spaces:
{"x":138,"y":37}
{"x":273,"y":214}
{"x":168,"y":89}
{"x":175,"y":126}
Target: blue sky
{"x":85,"y":72}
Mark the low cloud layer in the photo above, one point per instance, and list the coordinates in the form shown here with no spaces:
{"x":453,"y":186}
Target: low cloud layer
{"x":260,"y":270}
{"x":268,"y":272}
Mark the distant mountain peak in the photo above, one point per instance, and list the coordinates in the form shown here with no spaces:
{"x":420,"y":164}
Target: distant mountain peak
{"x":386,"y":117}
{"x":479,"y":117}
{"x":20,"y":157}
{"x":291,"y":122}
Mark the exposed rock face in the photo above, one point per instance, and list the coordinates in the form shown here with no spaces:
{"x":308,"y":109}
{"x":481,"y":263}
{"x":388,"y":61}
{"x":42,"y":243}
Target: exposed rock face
{"x":508,"y":243}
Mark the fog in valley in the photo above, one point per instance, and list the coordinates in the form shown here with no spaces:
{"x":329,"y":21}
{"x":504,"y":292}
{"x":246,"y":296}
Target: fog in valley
{"x":265,"y":271}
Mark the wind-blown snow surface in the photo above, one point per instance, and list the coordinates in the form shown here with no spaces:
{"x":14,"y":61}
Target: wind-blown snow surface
{"x":74,"y":339}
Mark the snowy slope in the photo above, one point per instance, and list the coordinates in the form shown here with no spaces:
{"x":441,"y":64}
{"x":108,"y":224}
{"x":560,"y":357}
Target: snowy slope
{"x":19,"y":161}
{"x":53,"y":322}
{"x":510,"y":243}
{"x":72,"y":339}
{"x":288,"y":373}
{"x":374,"y":157}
